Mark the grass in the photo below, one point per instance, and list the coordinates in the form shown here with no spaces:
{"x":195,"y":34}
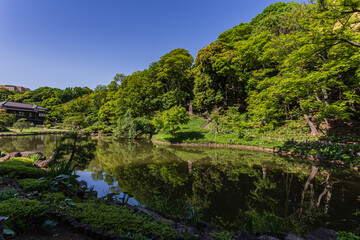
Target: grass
{"x":193,"y":132}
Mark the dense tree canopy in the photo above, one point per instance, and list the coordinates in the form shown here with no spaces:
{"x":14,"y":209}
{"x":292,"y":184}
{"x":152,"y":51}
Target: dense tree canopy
{"x":292,"y":61}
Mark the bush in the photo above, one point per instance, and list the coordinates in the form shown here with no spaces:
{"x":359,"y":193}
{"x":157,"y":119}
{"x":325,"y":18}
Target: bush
{"x":30,"y":184}
{"x":20,"y":168}
{"x":120,"y":220}
{"x":347,"y":236}
{"x":20,"y":212}
{"x":7,"y":193}
{"x":20,"y":161}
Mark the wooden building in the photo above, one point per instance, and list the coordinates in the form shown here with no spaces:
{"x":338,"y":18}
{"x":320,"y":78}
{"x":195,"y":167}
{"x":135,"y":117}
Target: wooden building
{"x":32,"y":113}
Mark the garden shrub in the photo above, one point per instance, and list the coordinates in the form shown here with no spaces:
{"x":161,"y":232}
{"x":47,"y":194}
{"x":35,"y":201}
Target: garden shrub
{"x":19,"y":168}
{"x":20,"y":161}
{"x":21,"y":212}
{"x":120,"y":220}
{"x":347,"y":236}
{"x":31,"y":184}
{"x":7,"y":193}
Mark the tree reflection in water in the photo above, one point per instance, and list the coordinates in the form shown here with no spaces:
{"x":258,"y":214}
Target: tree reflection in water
{"x":225,"y":183}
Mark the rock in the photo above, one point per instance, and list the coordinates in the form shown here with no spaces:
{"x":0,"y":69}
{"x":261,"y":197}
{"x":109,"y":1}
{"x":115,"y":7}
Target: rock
{"x":14,"y":154}
{"x":322,"y":234}
{"x":10,"y":155}
{"x":4,"y":158}
{"x":265,"y":237}
{"x":182,"y":228}
{"x":244,"y":235}
{"x":44,"y":163}
{"x":292,"y":236}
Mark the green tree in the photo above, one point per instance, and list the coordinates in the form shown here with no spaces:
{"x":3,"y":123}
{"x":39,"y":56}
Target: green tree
{"x":173,"y":69}
{"x":22,"y":123}
{"x":75,"y":151}
{"x":6,"y":119}
{"x":170,"y":120}
{"x":134,"y":126}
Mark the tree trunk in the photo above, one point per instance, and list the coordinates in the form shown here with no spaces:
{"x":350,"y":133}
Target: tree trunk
{"x":191,"y":108}
{"x":314,"y":131}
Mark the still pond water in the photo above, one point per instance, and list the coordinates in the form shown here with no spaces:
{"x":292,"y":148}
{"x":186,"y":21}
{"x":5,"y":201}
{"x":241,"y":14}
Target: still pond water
{"x":223,"y":183}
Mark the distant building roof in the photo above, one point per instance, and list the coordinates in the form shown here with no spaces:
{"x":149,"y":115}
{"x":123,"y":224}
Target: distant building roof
{"x":13,"y":88}
{"x":21,"y":106}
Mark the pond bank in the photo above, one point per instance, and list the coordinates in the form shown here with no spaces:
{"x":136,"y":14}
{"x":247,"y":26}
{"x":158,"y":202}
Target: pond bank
{"x":316,"y":158}
{"x":31,"y":133}
{"x":243,"y":147}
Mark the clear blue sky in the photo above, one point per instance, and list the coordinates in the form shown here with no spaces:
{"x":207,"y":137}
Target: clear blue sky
{"x":69,"y":43}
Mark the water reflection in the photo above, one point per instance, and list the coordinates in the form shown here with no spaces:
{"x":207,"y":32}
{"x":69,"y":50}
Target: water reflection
{"x":223,"y":182}
{"x":43,"y":143}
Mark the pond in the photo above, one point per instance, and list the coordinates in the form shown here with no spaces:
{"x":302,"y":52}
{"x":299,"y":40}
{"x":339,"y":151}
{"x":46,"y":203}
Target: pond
{"x":223,"y":185}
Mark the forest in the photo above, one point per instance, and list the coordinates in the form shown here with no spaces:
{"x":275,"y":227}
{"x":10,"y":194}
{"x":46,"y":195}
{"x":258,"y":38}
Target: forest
{"x":291,"y":63}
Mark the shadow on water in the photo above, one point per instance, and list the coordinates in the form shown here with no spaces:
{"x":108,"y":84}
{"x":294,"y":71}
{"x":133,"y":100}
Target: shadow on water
{"x":226,"y":184}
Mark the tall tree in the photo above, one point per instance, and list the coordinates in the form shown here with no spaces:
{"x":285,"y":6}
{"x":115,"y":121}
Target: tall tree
{"x":173,"y":70}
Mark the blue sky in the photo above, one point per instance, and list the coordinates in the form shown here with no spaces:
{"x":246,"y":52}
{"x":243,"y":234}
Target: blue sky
{"x":69,"y":43}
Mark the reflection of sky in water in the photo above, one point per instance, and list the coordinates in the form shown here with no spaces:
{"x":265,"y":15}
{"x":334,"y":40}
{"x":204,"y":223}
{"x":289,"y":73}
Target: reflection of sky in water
{"x":101,"y":186}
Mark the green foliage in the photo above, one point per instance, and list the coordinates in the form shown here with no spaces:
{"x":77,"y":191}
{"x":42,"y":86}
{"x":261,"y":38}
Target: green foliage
{"x":75,"y":150}
{"x":253,"y":222}
{"x":330,"y":151}
{"x":22,"y":123}
{"x":65,"y":183}
{"x":21,"y":212}
{"x":120,"y":220}
{"x":171,"y":119}
{"x":346,"y":236}
{"x":133,"y":126}
{"x":20,"y":168}
{"x":272,"y":17}
{"x":7,"y":193}
{"x":5,"y":119}
{"x":34,"y":158}
{"x":173,"y":70}
{"x":222,"y":235}
{"x":20,"y":161}
{"x":31,"y":185}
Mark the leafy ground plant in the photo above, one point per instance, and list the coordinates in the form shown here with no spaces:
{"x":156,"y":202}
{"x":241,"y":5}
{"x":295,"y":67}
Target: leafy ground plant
{"x":120,"y":220}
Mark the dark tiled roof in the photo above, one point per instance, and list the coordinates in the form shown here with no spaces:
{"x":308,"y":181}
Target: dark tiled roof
{"x":7,"y":104}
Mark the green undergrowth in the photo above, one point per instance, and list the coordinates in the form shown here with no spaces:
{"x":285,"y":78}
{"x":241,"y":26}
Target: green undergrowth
{"x":21,"y":213}
{"x":347,"y":153}
{"x":30,"y":184}
{"x":194,"y":132}
{"x":282,"y":138}
{"x":120,"y":220}
{"x":20,"y":168}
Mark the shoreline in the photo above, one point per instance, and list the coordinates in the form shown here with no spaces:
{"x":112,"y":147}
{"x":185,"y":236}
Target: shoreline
{"x":243,"y":147}
{"x":259,"y":149}
{"x":31,"y":133}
